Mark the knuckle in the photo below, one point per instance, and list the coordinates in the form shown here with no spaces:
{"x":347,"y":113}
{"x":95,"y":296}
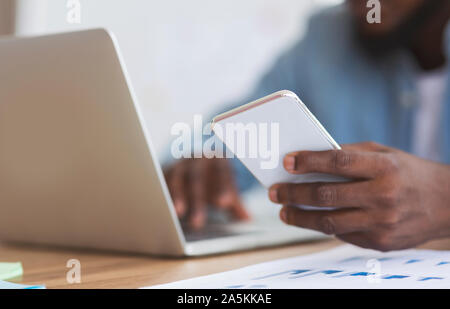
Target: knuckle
{"x":373,"y":144}
{"x":306,"y":160}
{"x":285,"y":193}
{"x":325,"y":195}
{"x":327,"y":225}
{"x":390,"y":196}
{"x":392,"y":164}
{"x":390,"y":219}
{"x":341,"y":159}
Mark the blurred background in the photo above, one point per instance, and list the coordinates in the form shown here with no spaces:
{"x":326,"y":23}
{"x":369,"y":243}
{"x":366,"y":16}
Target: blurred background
{"x":184,"y":57}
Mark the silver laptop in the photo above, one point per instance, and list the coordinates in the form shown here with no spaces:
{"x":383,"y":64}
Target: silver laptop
{"x":77,"y":167}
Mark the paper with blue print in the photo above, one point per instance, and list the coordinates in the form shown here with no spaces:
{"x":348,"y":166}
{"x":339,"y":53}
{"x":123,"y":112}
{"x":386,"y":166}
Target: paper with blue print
{"x":343,"y":267}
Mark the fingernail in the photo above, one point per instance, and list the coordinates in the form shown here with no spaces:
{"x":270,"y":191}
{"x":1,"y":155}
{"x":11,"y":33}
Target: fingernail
{"x":289,"y":163}
{"x":224,"y":199}
{"x":273,"y":195}
{"x":283,"y":214}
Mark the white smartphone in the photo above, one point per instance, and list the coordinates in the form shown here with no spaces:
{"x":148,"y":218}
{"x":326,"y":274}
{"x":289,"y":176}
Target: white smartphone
{"x":262,"y":132}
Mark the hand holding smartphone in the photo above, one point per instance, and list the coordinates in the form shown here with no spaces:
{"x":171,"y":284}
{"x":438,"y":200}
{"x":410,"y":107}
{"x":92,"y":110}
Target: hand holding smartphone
{"x":262,"y":132}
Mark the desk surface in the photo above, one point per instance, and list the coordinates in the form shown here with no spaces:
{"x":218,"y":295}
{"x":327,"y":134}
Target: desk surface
{"x":107,"y":270}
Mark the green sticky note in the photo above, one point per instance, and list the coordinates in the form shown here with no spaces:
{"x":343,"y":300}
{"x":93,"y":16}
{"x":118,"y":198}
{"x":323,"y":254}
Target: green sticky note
{"x":10,"y":270}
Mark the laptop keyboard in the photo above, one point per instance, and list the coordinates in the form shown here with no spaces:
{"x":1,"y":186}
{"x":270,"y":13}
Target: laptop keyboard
{"x":208,"y":232}
{"x":219,"y":225}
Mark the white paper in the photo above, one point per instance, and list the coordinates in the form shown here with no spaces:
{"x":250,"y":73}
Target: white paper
{"x":343,"y":267}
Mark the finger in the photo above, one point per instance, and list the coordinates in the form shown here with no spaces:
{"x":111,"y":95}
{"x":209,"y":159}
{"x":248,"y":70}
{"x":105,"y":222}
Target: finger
{"x":176,"y":186}
{"x":221,"y":180}
{"x":238,"y":211}
{"x":231,"y":201}
{"x":226,"y":194}
{"x":349,"y":194}
{"x":334,"y":222}
{"x":359,"y":239}
{"x":364,"y":146}
{"x":197,"y":194}
{"x":347,"y":163}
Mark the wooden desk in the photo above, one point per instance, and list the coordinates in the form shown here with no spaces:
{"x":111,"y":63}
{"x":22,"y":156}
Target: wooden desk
{"x":108,"y":270}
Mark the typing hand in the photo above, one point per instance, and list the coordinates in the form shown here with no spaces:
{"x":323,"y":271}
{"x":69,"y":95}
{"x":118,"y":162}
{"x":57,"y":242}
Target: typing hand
{"x":396,"y":200}
{"x":196,"y":183}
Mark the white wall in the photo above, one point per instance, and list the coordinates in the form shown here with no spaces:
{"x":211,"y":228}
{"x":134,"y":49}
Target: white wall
{"x":184,"y":56}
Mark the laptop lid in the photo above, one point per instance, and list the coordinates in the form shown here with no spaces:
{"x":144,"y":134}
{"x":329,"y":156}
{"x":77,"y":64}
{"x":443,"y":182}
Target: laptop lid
{"x":76,"y":162}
